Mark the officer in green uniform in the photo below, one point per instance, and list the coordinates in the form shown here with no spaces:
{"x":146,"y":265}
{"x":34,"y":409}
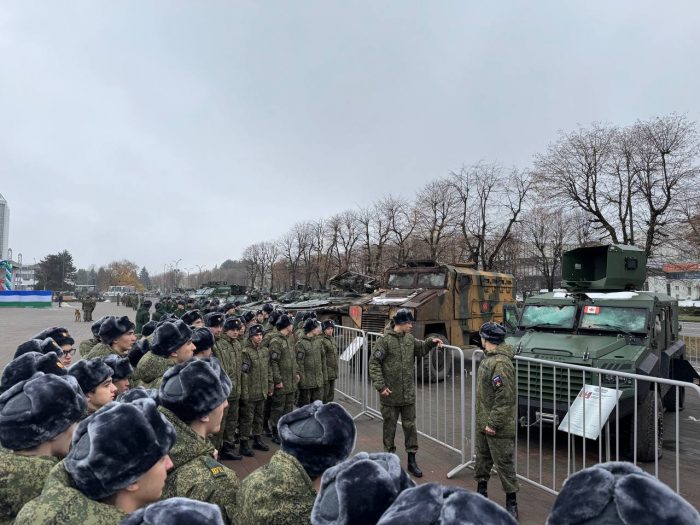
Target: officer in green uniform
{"x":193,"y":397}
{"x":330,"y":354}
{"x":143,"y":315}
{"x":228,"y":351}
{"x":495,"y":414}
{"x":285,"y":373}
{"x":256,"y":386}
{"x":392,"y":369}
{"x":309,"y":355}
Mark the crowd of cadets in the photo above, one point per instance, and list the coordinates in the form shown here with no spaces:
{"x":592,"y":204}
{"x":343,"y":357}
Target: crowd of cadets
{"x":133,"y":434}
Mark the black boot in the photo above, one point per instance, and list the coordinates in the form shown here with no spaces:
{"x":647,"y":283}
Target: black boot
{"x":228,"y":452}
{"x":512,"y":504}
{"x":259,"y":445}
{"x":245,"y":449}
{"x":275,"y":436}
{"x":268,"y":428}
{"x":481,"y":488}
{"x":413,"y":466}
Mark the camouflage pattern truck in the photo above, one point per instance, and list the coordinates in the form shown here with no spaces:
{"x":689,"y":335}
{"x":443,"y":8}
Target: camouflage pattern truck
{"x":603,"y":320}
{"x":447,"y":301}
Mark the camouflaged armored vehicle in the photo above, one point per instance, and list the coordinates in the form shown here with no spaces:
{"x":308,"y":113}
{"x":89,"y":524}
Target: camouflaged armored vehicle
{"x":450,"y":302}
{"x":603,"y":320}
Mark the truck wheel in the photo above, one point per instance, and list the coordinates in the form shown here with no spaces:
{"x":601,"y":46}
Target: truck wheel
{"x":670,"y":399}
{"x":440,"y":361}
{"x":647,"y":420}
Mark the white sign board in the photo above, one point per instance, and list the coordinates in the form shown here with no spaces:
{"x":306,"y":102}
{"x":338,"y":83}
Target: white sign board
{"x":352,"y":349}
{"x":599,"y":402}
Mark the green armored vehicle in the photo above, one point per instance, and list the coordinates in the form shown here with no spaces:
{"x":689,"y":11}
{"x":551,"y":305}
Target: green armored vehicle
{"x":603,"y":320}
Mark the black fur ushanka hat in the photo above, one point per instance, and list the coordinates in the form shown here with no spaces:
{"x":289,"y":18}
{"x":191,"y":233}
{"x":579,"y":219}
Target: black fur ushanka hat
{"x":26,"y":365}
{"x":169,"y":337}
{"x":176,"y":511}
{"x":114,"y":327}
{"x":43,"y":346}
{"x":120,"y":366}
{"x":90,"y":373}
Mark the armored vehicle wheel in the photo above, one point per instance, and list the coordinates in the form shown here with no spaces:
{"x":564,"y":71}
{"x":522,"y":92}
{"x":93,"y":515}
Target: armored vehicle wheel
{"x":439,"y":366}
{"x":649,"y":417}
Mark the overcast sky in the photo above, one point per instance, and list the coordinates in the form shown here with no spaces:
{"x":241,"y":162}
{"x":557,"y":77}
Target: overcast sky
{"x":160,"y":130}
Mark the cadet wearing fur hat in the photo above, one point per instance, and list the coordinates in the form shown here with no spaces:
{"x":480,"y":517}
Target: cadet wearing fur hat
{"x":43,"y":346}
{"x":214,"y":321}
{"x":87,"y":345}
{"x":193,"y":397}
{"x":171,"y":344}
{"x":203,"y":341}
{"x":285,"y":373}
{"x":193,"y":318}
{"x":176,"y":511}
{"x":392,"y":369}
{"x":122,"y":372}
{"x":256,"y":386}
{"x":330,"y":356}
{"x":228,"y":350}
{"x":26,"y":365}
{"x":109,"y":472}
{"x":314,"y":438}
{"x":37,"y":419}
{"x":95,"y":380}
{"x":117,"y":336}
{"x":309,"y":355}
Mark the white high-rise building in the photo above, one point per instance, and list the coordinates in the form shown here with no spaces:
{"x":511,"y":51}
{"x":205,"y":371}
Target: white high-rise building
{"x":4,"y":227}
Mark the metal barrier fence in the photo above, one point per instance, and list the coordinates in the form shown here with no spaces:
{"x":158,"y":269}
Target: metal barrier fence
{"x":621,"y":416}
{"x":351,"y":378}
{"x":692,"y":350}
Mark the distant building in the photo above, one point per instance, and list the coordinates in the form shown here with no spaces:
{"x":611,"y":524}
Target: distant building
{"x":4,"y":227}
{"x":680,"y":280}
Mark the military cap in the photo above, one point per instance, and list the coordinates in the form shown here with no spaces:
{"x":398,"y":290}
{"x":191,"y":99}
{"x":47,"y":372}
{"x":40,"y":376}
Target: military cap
{"x":318,"y":436}
{"x":147,"y":303}
{"x":232,"y":323}
{"x":114,"y":327}
{"x":120,"y":366}
{"x":229,"y":306}
{"x":95,"y":327}
{"x":116,"y":445}
{"x":339,"y":501}
{"x":169,"y":337}
{"x":176,"y":511}
{"x":268,"y":308}
{"x":213,"y":319}
{"x":493,"y":332}
{"x":403,"y":316}
{"x":308,"y":315}
{"x":26,"y":365}
{"x":248,"y":316}
{"x":91,"y":373}
{"x":167,"y":317}
{"x":310,"y":325}
{"x":254,"y":330}
{"x":191,"y":316}
{"x":283,"y":322}
{"x":148,"y":328}
{"x":37,"y":409}
{"x":138,"y":392}
{"x":328,"y":323}
{"x":43,"y":346}
{"x":203,"y":339}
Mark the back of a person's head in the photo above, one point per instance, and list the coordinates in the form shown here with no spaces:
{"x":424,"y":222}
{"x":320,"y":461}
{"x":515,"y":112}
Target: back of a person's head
{"x":176,"y":511}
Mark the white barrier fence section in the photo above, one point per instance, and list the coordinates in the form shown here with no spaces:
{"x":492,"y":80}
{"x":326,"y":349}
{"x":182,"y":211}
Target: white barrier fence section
{"x":351,"y":376}
{"x":570,"y":417}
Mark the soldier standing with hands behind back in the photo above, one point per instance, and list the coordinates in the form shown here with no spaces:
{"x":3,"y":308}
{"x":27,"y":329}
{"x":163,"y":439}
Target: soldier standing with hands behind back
{"x":392,"y":369}
{"x":495,"y":414}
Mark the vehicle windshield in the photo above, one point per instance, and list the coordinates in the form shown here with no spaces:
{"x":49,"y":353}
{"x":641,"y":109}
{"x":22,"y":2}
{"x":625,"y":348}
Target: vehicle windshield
{"x":550,"y":316}
{"x":431,"y":280}
{"x":402,"y":280}
{"x":614,"y":319}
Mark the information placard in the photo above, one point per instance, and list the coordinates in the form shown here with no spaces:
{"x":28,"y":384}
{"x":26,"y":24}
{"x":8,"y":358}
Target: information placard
{"x":599,"y":402}
{"x":352,"y":349}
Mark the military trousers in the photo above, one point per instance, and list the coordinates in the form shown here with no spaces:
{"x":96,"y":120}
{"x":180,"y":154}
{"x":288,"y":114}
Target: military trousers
{"x":391,"y":414}
{"x":280,"y":404}
{"x":251,"y":418}
{"x":309,"y":395}
{"x":493,"y":450}
{"x":229,"y":424}
{"x":329,"y":393}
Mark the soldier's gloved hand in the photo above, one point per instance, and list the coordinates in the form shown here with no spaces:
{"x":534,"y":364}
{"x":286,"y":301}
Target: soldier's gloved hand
{"x":489,"y":431}
{"x":386,"y":391}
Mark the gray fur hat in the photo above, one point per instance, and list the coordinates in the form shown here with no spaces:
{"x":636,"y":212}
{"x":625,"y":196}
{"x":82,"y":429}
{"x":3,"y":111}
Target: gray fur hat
{"x":90,"y":373}
{"x":139,"y":392}
{"x":255,"y":329}
{"x":433,"y":504}
{"x":176,"y":511}
{"x":311,"y":324}
{"x":191,"y":316}
{"x":339,"y":502}
{"x":55,"y":332}
{"x":214,"y":319}
{"x":148,"y":328}
{"x":319,"y":436}
{"x":193,"y":389}
{"x":169,"y":337}
{"x":203,"y":339}
{"x":120,"y":365}
{"x":43,"y":346}
{"x":493,"y":332}
{"x":283,"y":321}
{"x":114,"y":327}
{"x":95,"y":327}
{"x":36,"y":410}
{"x":619,"y":493}
{"x":232,"y":323}
{"x":116,"y":445}
{"x":26,"y":365}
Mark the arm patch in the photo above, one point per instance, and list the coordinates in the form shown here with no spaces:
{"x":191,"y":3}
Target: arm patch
{"x":379,"y":355}
{"x":215,"y":468}
{"x":300,"y":355}
{"x":274,"y":355}
{"x":497,"y":381}
{"x":246,"y":366}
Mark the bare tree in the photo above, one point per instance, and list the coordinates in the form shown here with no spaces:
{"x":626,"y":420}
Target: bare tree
{"x":402,"y":220}
{"x":435,"y":210}
{"x":348,"y":236}
{"x":548,"y":231}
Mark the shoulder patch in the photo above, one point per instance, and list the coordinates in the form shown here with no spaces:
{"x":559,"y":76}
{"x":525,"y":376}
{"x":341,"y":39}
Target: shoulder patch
{"x":497,"y":381}
{"x":300,"y":355}
{"x":274,"y":355}
{"x":216,"y":469}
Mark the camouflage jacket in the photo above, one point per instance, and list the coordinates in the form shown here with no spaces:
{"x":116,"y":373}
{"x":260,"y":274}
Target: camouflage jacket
{"x":21,"y":479}
{"x":87,"y":345}
{"x":60,"y":503}
{"x":179,"y":312}
{"x":311,"y":363}
{"x":142,"y":317}
{"x":196,"y":474}
{"x":393,"y":365}
{"x":256,"y":379}
{"x":330,"y":354}
{"x":267,"y":338}
{"x":495,"y":392}
{"x":279,"y":493}
{"x":228,"y":352}
{"x":150,"y":370}
{"x":283,"y":364}
{"x":102,"y":350}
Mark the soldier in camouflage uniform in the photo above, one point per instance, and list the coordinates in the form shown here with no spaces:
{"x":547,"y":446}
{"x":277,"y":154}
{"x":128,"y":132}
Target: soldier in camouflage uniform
{"x":267,"y":322}
{"x":142,"y":316}
{"x":228,"y":351}
{"x":171,"y":344}
{"x":330,"y":355}
{"x":87,"y":345}
{"x":309,"y":354}
{"x":285,"y":373}
{"x":495,"y":414}
{"x":117,"y":337}
{"x":36,"y":439}
{"x":314,"y":438}
{"x":392,"y":369}
{"x":256,"y":386}
{"x":86,"y":488}
{"x":193,"y":397}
